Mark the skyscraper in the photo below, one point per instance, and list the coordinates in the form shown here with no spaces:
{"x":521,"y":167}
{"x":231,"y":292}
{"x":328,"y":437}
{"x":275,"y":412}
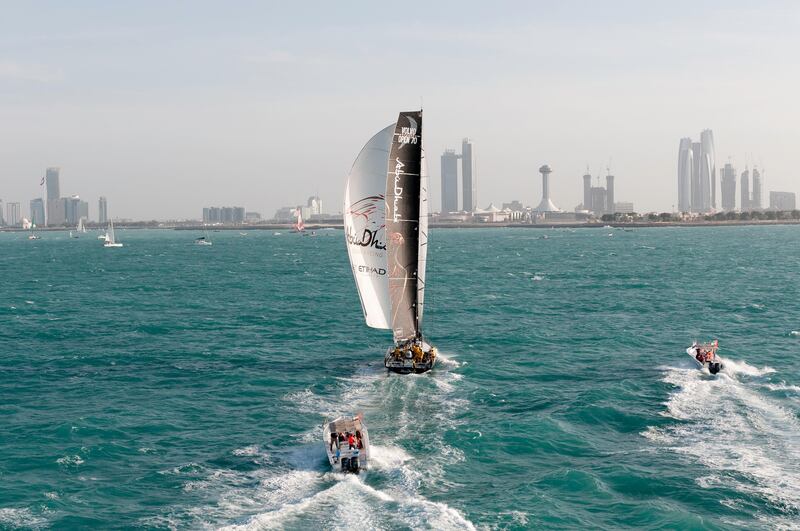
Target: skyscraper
{"x":609,"y":194}
{"x":75,"y":209}
{"x":449,"y":181}
{"x":468,"y":177}
{"x":685,"y":167}
{"x":708,"y":170}
{"x":756,"y":203}
{"x":727,"y":180}
{"x":745,"y":185}
{"x":102,"y":210}
{"x":37,"y":212}
{"x":53,"y":196}
{"x":702,"y":190}
{"x":587,"y":190}
{"x":13,"y":214}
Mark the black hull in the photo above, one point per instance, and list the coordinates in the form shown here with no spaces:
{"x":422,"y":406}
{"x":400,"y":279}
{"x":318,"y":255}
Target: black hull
{"x":405,"y":370}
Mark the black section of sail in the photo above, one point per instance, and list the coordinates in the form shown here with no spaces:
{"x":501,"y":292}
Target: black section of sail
{"x":402,"y":223}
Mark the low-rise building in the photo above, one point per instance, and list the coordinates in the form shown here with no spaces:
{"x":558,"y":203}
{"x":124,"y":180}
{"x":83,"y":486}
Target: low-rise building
{"x":782,"y":201}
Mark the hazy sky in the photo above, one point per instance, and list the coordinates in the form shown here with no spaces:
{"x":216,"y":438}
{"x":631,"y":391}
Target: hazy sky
{"x":165,"y":107}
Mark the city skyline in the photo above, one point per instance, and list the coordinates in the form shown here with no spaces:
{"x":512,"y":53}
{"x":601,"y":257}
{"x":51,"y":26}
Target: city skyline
{"x":608,"y":82}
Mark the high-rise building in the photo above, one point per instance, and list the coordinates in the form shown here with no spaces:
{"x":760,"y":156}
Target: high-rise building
{"x":598,"y":200}
{"x":13,"y":215}
{"x":468,"y":177}
{"x":37,"y":212}
{"x":782,"y":201}
{"x":609,"y":194}
{"x":727,"y":178}
{"x":75,"y":209}
{"x":546,"y":205}
{"x":54,"y":209}
{"x":238,"y":214}
{"x":587,"y":191}
{"x":449,"y":181}
{"x":2,"y":220}
{"x":756,"y":203}
{"x":102,"y":210}
{"x":685,"y":168}
{"x":701,"y":193}
{"x":745,"y":191}
{"x":708,"y":170}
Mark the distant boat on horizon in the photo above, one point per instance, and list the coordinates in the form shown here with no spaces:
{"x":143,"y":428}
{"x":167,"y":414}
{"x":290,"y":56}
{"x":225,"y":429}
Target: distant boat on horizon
{"x":204,"y":239}
{"x":110,"y":238}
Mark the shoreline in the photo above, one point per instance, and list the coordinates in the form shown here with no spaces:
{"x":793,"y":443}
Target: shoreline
{"x":340,"y":226}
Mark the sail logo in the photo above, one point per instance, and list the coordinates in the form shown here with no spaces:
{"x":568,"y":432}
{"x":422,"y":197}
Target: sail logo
{"x":407,"y":135}
{"x":367,"y":238}
{"x":398,"y":190}
{"x":369,"y":270}
{"x":364,"y":228}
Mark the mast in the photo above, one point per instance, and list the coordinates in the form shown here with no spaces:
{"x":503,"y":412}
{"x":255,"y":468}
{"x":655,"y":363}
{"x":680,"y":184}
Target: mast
{"x":403,"y":206}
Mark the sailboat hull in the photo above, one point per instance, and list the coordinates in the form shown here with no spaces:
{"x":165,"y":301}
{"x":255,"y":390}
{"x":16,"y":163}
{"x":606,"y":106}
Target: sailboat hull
{"x":404,"y":361}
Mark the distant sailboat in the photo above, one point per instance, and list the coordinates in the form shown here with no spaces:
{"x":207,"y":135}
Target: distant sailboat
{"x":204,"y":239}
{"x":110,"y":240}
{"x":299,"y":226}
{"x":386,"y":228}
{"x":78,"y":229}
{"x":33,"y":235}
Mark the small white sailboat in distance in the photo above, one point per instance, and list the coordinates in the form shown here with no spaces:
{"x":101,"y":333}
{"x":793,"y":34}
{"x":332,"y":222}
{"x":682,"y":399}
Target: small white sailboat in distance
{"x":386,"y":229}
{"x":204,"y":239}
{"x":81,"y":227}
{"x":346,"y":443}
{"x":110,"y":240}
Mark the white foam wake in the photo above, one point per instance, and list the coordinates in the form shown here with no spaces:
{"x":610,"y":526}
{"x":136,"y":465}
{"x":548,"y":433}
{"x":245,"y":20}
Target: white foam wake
{"x":748,"y":441}
{"x":20,"y":518}
{"x":408,"y":417}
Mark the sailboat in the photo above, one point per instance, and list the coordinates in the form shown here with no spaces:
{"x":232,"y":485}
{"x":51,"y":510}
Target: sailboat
{"x":110,"y":240}
{"x":204,"y":239}
{"x":299,"y":226}
{"x":386,"y":229}
{"x":78,"y":229}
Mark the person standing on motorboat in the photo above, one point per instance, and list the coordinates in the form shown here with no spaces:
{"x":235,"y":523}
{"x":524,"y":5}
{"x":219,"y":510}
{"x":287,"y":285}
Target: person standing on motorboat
{"x":334,"y":441}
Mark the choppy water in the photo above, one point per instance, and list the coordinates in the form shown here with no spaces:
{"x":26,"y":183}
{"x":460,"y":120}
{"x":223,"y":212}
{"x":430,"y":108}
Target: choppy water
{"x":167,"y":385}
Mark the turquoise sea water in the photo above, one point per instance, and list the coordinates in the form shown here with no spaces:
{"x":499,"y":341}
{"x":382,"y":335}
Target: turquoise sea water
{"x":168,"y":385}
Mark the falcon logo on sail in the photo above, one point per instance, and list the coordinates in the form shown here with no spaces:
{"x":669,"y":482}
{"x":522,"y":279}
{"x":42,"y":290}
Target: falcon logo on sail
{"x":368,"y":234}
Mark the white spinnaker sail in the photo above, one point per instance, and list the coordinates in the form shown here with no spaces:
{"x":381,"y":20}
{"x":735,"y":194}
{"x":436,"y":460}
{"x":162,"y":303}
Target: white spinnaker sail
{"x":423,"y":237}
{"x":365,"y":227}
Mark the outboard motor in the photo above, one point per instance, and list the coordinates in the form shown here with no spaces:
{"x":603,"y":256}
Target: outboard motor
{"x":345,"y":464}
{"x":354,"y":465}
{"x":714,"y":367}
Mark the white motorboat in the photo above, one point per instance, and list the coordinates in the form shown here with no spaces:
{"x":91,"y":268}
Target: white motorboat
{"x":386,"y":230}
{"x":348,"y":449}
{"x":705,"y":356}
